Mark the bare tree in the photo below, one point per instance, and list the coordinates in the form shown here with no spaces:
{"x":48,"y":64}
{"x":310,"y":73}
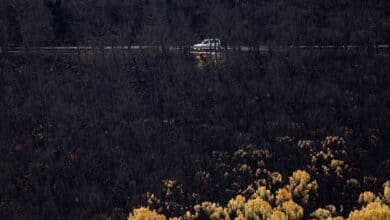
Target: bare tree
{"x":34,"y":21}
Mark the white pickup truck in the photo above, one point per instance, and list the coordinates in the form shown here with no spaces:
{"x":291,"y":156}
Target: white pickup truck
{"x":208,"y":44}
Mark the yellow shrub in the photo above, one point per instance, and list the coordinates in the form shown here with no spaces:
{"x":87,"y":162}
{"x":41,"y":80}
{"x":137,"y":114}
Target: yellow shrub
{"x":366,"y":197}
{"x":276,"y":177}
{"x":240,"y":216}
{"x":263,"y":193}
{"x":145,"y":214}
{"x":386,"y":192}
{"x":300,"y":185}
{"x":305,"y":144}
{"x":236,"y":204}
{"x":338,"y":166}
{"x":321,"y":214}
{"x":278,"y":215}
{"x":212,"y":210}
{"x":326,"y":214}
{"x":283,"y":195}
{"x":373,"y":211}
{"x":219,"y":214}
{"x":257,"y":209}
{"x":292,"y":210}
{"x":333,"y":140}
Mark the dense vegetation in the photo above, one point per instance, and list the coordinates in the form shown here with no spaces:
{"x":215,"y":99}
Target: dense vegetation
{"x":259,"y":205}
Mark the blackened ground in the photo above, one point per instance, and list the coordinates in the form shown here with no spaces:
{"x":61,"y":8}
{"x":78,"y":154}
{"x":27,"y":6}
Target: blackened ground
{"x":85,"y":136}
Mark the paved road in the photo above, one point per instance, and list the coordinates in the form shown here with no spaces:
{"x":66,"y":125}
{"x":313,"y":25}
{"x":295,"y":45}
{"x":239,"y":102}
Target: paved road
{"x":263,"y":48}
{"x":75,"y":49}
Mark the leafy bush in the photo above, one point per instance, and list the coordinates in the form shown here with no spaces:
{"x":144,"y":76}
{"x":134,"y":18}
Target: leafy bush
{"x":261,"y":206}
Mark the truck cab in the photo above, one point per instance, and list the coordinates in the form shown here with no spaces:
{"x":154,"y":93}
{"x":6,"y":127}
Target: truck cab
{"x":208,"y":44}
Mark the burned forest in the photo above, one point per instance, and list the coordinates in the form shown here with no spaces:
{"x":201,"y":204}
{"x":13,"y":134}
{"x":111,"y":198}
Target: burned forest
{"x":176,"y":109}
